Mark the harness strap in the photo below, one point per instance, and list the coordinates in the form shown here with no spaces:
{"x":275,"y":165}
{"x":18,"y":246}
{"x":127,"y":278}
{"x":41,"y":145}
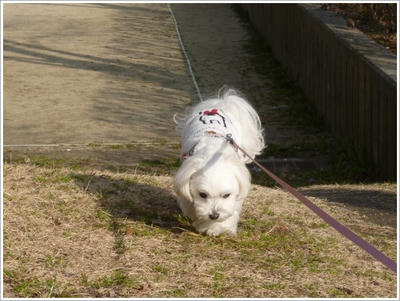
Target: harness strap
{"x":190,"y":152}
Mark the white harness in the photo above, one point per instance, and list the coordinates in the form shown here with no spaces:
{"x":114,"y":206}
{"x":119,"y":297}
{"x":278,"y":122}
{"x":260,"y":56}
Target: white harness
{"x":211,"y":122}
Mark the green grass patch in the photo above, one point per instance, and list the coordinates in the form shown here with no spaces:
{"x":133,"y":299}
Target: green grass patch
{"x":119,"y":237}
{"x":52,"y":177}
{"x":159,"y":166}
{"x":52,"y":262}
{"x":34,"y":287}
{"x":160,"y":269}
{"x":49,"y":162}
{"x":178,"y":293}
{"x":116,"y":280}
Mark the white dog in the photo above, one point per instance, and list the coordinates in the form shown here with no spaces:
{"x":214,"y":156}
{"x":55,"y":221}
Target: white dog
{"x":213,"y":180}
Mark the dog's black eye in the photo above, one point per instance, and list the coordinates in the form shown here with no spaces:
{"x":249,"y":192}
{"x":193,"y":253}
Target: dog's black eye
{"x":203,"y":195}
{"x":225,"y":196}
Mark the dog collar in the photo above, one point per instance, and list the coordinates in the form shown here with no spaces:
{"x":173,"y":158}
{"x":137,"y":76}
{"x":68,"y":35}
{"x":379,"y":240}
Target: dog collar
{"x":189,"y":153}
{"x":228,"y":138}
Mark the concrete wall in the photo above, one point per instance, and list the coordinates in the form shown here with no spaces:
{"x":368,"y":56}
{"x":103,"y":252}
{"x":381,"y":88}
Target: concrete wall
{"x":350,"y":78}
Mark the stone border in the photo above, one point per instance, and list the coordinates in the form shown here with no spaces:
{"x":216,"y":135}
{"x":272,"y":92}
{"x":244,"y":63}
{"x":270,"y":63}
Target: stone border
{"x":351,"y":79}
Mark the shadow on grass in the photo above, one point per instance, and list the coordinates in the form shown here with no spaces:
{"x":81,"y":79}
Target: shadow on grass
{"x":376,"y":206}
{"x":134,"y":199}
{"x":375,"y":203}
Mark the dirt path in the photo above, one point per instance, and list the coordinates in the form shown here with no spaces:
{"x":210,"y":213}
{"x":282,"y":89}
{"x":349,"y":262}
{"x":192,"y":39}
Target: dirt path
{"x":85,"y":73}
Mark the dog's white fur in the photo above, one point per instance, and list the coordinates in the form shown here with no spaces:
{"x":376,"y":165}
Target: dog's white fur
{"x":215,"y":168}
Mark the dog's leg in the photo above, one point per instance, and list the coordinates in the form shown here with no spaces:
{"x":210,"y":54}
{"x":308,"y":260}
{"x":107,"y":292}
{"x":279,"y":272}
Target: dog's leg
{"x":187,"y":208}
{"x":228,"y":226}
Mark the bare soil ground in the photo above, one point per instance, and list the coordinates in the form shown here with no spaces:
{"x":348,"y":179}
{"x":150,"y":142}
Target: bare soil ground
{"x":102,"y":221}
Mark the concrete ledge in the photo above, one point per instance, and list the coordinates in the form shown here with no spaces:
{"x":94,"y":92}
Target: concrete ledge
{"x":350,"y":78}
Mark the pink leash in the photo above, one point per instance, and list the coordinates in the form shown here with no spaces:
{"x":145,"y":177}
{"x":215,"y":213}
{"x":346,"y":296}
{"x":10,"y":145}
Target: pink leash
{"x":322,"y":214}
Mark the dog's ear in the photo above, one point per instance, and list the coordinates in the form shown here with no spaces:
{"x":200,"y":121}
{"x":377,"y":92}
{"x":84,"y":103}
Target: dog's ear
{"x":182,"y":178}
{"x":243,"y":177}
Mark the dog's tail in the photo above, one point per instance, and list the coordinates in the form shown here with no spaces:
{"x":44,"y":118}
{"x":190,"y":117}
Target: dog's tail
{"x":178,"y":119}
{"x":253,"y":139}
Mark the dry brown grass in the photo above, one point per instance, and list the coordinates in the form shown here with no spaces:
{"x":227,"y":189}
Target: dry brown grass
{"x":82,"y":232}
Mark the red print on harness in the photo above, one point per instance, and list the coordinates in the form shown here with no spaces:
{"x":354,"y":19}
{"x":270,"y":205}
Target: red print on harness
{"x":212,"y":117}
{"x":212,"y":112}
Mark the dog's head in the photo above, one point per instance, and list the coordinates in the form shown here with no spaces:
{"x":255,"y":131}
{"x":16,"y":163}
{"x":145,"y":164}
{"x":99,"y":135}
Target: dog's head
{"x":216,"y":188}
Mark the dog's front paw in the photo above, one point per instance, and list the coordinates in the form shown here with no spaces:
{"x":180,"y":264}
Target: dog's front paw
{"x":229,"y":227}
{"x":210,"y":229}
{"x":213,"y":232}
{"x":221,"y":229}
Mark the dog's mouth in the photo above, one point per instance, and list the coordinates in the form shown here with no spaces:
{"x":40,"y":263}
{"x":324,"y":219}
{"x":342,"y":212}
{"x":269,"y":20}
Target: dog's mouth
{"x":214,"y":217}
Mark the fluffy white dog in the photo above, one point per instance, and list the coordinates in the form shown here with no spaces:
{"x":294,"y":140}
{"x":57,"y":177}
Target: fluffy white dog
{"x":213,"y":180}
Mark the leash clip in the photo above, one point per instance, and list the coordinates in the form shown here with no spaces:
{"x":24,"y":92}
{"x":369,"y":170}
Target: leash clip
{"x":229,"y":138}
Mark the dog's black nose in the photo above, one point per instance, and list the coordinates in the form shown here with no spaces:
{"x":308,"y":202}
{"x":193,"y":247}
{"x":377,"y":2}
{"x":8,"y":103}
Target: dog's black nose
{"x":214,"y":215}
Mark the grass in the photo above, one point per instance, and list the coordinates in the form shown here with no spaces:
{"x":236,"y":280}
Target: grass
{"x":159,"y":167}
{"x":117,"y":278}
{"x":37,"y":287}
{"x":108,"y":234}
